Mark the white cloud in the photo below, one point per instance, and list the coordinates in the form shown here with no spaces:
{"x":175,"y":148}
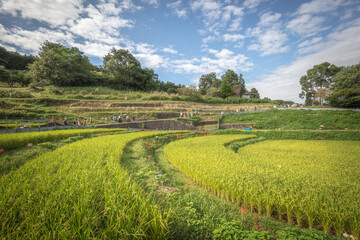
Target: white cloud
{"x":99,"y":26}
{"x":151,"y":2}
{"x":233,"y":37}
{"x":341,"y":48}
{"x":55,"y":13}
{"x":170,"y":50}
{"x":176,"y":6}
{"x":251,"y":4}
{"x":320,"y":6}
{"x":270,"y":39}
{"x":268,"y":19}
{"x":211,"y":11}
{"x":31,"y":40}
{"x":309,"y":45}
{"x":306,"y":24}
{"x":223,"y":60}
{"x":9,"y":48}
{"x":148,"y":57}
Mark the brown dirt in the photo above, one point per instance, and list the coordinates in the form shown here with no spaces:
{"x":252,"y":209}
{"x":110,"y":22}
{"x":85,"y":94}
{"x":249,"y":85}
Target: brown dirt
{"x":167,"y":189}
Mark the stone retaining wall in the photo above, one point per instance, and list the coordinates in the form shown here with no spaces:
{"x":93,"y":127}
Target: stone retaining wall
{"x":155,"y":125}
{"x":241,"y":125}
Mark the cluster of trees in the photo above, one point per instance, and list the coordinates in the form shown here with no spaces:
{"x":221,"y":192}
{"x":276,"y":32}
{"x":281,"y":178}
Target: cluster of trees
{"x":339,"y":86}
{"x":230,"y":84}
{"x":13,"y":67}
{"x":58,"y":65}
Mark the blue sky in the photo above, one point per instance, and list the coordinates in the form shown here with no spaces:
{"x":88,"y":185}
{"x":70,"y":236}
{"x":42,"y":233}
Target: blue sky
{"x":271,"y":42}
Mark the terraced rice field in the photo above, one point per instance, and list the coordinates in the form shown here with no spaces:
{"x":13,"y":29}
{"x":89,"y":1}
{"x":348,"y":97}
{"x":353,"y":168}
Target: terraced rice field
{"x":79,"y":191}
{"x":16,"y":140}
{"x":311,"y":183}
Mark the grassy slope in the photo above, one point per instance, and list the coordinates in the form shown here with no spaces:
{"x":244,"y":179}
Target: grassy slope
{"x":298,"y":119}
{"x":98,"y":102}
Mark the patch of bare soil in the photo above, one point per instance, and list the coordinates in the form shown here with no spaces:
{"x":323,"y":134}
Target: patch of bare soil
{"x":167,"y":189}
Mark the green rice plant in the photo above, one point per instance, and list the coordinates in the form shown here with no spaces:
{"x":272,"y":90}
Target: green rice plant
{"x":315,"y":183}
{"x":80,"y":191}
{"x":17,"y":140}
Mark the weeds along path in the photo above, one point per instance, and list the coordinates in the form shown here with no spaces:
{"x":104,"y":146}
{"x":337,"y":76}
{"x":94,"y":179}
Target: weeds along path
{"x":79,"y":191}
{"x":313,"y":183}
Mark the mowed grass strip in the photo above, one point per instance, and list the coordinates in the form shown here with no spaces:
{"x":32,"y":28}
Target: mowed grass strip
{"x":17,"y":140}
{"x":79,"y":191}
{"x":311,"y":183}
{"x":298,"y":119}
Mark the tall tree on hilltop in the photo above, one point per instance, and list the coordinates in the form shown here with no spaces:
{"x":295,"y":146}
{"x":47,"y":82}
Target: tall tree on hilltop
{"x":255,"y":93}
{"x":61,"y":66}
{"x":242,"y":85}
{"x":231,"y":77}
{"x":316,"y":79}
{"x":346,"y":88}
{"x":121,"y":68}
{"x":226,"y":89}
{"x":206,"y":81}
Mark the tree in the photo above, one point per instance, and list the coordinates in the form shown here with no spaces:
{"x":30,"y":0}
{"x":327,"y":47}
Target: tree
{"x":14,"y":61}
{"x":242,"y":85}
{"x":346,"y":88}
{"x":216,"y":83}
{"x":231,"y":77}
{"x":121,"y":68}
{"x":255,"y":93}
{"x":206,"y":81}
{"x":61,"y":66}
{"x":213,"y":92}
{"x":318,"y":77}
{"x":226,"y":90}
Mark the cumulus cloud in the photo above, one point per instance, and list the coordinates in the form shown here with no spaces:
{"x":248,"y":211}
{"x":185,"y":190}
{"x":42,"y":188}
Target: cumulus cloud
{"x":146,"y":53}
{"x":251,"y":4}
{"x":220,"y":62}
{"x":31,"y":40}
{"x":233,"y":37}
{"x":306,"y":24}
{"x":170,"y":50}
{"x":98,"y":24}
{"x":319,"y":6}
{"x":55,"y":13}
{"x":269,"y":37}
{"x":341,"y":48}
{"x":181,"y":12}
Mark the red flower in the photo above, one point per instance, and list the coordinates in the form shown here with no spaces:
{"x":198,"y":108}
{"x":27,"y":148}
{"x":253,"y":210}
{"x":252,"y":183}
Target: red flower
{"x":255,"y":218}
{"x":187,"y":181}
{"x":257,"y":228}
{"x":2,"y":150}
{"x":185,"y":185}
{"x":244,"y":210}
{"x":54,"y":139}
{"x":149,"y":156}
{"x":152,"y":163}
{"x":191,"y":187}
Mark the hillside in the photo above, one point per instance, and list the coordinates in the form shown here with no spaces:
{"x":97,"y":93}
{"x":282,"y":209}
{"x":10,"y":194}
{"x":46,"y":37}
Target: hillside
{"x":100,"y":102}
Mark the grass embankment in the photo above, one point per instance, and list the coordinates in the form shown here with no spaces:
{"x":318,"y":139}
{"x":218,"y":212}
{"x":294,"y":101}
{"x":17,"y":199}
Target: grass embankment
{"x":298,"y":119}
{"x":17,"y":140}
{"x":296,"y":134}
{"x":312,"y":183}
{"x":80,"y":191}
